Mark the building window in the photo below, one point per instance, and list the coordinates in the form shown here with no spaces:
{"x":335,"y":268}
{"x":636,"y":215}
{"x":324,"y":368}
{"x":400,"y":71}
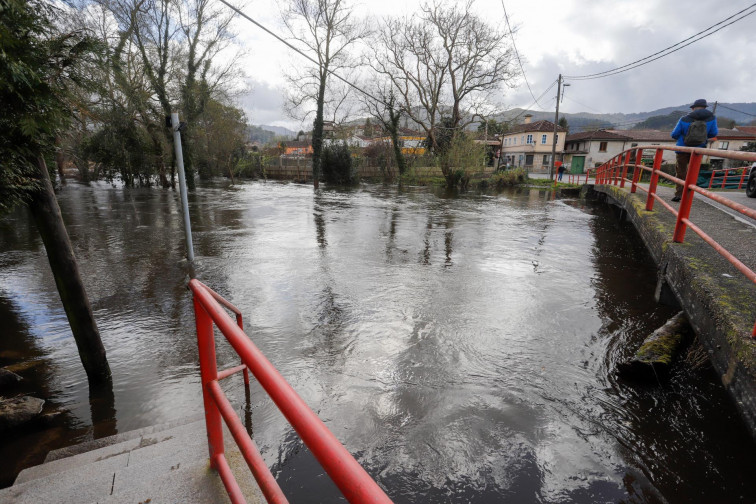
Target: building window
{"x":543,"y":139}
{"x":530,"y":139}
{"x":514,"y":141}
{"x":724,"y":145}
{"x":529,"y":160}
{"x":545,"y":159}
{"x":602,"y":147}
{"x":522,"y":140}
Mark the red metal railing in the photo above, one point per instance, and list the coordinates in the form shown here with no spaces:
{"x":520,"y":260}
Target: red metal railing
{"x":572,"y":178}
{"x":344,"y":470}
{"x":738,"y":174}
{"x":614,"y":172}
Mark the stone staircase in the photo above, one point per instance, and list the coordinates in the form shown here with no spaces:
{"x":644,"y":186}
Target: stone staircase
{"x":160,"y":464}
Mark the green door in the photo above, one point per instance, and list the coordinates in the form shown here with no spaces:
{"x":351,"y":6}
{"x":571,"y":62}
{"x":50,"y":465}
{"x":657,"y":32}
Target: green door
{"x":577,"y":164}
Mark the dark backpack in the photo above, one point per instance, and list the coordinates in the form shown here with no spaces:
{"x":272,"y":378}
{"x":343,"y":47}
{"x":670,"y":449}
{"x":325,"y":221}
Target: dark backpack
{"x":696,"y":134}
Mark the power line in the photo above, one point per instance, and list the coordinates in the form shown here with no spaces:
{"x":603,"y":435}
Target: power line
{"x":666,"y":52}
{"x":291,"y":46}
{"x":534,"y":102}
{"x":738,"y":111}
{"x":511,"y":34}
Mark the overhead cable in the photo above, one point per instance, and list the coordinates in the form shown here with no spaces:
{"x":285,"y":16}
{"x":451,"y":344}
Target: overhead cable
{"x":511,"y":34}
{"x":534,"y":102}
{"x":671,"y":49}
{"x":738,"y":111}
{"x":297,"y":50}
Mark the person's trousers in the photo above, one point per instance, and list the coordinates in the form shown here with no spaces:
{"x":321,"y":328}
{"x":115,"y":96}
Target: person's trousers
{"x":681,"y":170}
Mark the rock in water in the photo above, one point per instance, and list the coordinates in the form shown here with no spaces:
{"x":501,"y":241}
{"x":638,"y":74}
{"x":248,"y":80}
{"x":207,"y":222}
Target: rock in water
{"x":8,"y":378}
{"x":658,"y":351}
{"x":19,"y":410}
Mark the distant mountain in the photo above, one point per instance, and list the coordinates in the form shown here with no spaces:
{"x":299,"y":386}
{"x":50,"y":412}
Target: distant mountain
{"x":741,"y":113}
{"x":279,"y":130}
{"x":268,"y":134}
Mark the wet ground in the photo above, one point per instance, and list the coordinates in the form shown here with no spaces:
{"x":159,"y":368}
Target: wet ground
{"x":463,"y":347}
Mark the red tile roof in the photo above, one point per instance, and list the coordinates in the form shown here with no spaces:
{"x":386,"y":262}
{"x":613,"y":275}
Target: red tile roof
{"x":540,"y":126}
{"x":646,"y":135}
{"x":595,"y":135}
{"x":735,"y":134}
{"x":751,"y":130}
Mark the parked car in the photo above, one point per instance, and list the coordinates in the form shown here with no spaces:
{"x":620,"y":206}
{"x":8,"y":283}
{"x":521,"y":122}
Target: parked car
{"x":751,"y":185}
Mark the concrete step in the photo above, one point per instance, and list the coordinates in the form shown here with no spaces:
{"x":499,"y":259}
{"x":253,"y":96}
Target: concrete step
{"x":190,"y":433}
{"x":94,"y":444}
{"x":181,"y":482}
{"x":166,"y":463}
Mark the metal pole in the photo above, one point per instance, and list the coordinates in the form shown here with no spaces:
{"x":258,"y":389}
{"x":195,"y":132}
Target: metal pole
{"x":556,"y":123}
{"x":182,"y":184}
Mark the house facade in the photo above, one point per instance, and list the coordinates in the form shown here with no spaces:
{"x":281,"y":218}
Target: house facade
{"x":529,"y":145}
{"x":732,"y":140}
{"x":588,"y":149}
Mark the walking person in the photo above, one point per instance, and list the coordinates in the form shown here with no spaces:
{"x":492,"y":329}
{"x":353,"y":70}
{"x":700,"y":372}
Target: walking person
{"x":560,"y":169}
{"x":692,"y":130}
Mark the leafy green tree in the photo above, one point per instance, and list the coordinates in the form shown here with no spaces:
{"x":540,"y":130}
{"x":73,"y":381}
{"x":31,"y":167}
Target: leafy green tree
{"x":337,"y":164}
{"x":494,"y":127}
{"x":661,"y":122}
{"x":563,"y":123}
{"x":749,"y":147}
{"x":38,"y":68}
{"x":725,"y":122}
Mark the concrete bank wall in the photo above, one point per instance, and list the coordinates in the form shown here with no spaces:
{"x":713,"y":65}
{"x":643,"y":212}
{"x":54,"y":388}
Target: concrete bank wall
{"x":719,"y":300}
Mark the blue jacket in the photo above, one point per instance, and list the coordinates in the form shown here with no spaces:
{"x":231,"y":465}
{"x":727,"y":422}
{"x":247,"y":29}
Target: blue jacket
{"x":681,"y":129}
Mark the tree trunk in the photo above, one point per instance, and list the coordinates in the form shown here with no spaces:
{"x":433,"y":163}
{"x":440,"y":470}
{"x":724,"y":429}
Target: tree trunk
{"x":394,"y":130}
{"x":60,"y":160}
{"x":49,"y":221}
{"x":317,"y":131}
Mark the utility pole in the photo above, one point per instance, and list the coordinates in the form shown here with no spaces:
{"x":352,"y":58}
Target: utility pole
{"x":177,"y":126}
{"x":556,"y":125}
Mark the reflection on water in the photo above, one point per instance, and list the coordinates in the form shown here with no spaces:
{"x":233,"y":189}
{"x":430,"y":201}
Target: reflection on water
{"x":463,"y":347}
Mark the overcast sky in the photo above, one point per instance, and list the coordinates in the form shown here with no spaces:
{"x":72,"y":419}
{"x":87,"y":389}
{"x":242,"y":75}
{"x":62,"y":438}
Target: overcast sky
{"x":572,"y":37}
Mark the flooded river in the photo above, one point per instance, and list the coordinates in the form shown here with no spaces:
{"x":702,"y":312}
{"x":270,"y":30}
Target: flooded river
{"x":462,"y":347}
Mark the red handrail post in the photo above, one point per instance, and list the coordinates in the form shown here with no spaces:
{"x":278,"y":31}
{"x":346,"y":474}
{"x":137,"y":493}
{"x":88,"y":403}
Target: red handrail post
{"x":240,"y":323}
{"x":624,"y":169}
{"x":658,"y":156}
{"x":208,"y":373}
{"x":637,"y":170}
{"x":691,"y":178}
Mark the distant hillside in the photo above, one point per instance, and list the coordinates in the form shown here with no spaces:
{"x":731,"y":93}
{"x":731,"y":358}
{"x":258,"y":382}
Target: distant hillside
{"x":268,"y":134}
{"x":280,"y":131}
{"x":741,"y":113}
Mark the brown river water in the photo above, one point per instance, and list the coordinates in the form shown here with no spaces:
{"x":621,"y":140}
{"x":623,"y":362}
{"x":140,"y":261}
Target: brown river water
{"x":462,"y":346}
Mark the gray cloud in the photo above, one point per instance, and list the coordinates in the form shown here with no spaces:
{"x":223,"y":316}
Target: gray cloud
{"x":718,"y":67}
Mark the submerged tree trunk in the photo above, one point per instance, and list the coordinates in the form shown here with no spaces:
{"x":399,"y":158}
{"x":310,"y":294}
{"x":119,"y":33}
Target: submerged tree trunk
{"x":394,"y":118}
{"x":317,"y":130}
{"x":49,"y":221}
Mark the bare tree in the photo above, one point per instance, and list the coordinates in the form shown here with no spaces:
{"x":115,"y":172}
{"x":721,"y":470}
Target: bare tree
{"x":387,"y":111}
{"x":478,"y":59}
{"x":444,"y":61}
{"x":325,"y":30}
{"x":177,"y":41}
{"x":411,"y":59}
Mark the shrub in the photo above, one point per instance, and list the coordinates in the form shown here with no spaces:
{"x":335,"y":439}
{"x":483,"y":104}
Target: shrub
{"x":461,"y":155}
{"x":508,"y":178}
{"x":337,"y":166}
